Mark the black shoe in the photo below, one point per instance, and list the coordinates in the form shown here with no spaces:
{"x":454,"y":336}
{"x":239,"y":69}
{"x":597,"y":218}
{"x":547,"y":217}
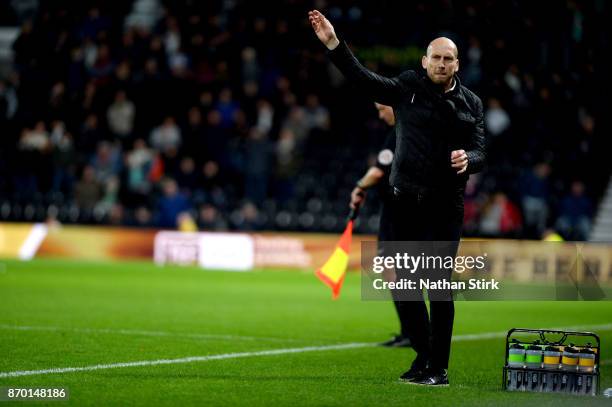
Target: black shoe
{"x":432,"y":378}
{"x":398,"y":341}
{"x":416,"y":371}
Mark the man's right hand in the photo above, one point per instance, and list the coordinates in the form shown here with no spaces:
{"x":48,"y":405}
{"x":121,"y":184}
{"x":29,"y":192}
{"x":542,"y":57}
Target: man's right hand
{"x":357,"y":197}
{"x":324,"y":29}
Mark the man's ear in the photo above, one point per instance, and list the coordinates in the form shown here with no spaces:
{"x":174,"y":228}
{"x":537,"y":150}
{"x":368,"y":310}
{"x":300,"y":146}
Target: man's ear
{"x":457,"y":66}
{"x":424,"y":61}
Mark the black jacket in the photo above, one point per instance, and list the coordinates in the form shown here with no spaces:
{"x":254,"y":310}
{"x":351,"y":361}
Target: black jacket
{"x":429,"y":124}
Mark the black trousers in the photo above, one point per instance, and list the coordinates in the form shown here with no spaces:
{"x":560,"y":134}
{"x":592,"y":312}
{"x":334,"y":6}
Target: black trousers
{"x":385,"y":234}
{"x":430,"y":217}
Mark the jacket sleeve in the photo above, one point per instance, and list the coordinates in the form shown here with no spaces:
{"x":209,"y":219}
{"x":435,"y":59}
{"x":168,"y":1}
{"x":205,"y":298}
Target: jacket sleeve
{"x":384,"y":90}
{"x":477,"y":149}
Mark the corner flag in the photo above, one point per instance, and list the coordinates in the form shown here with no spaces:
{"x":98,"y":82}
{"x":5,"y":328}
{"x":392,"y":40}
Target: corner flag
{"x":333,"y":271}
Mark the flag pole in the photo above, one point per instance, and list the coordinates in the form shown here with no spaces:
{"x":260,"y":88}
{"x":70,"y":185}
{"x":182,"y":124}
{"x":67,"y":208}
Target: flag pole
{"x":333,"y":271}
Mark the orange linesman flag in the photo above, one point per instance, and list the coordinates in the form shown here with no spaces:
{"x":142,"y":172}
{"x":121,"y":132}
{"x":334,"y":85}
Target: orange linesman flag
{"x":333,"y":271}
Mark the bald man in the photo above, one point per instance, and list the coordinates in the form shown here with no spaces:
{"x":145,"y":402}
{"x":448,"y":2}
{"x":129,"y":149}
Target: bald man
{"x":440,"y":141}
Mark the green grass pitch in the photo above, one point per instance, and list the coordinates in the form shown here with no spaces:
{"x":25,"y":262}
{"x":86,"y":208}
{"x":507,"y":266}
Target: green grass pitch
{"x":58,"y":314}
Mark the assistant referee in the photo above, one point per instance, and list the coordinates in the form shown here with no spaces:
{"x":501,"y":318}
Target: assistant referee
{"x":440,"y":140}
{"x":377,"y":176}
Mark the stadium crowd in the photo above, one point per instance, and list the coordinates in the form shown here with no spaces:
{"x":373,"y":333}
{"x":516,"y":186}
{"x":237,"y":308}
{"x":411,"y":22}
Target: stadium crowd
{"x":225,"y":115}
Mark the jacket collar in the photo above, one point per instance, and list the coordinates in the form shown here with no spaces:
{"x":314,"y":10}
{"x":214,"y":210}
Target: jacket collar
{"x":439,"y":90}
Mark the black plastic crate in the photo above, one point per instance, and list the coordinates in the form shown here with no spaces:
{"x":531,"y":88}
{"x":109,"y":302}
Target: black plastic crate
{"x":576,"y":378}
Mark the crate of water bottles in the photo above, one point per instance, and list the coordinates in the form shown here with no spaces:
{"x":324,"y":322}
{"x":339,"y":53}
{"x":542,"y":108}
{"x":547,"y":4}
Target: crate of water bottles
{"x":552,"y":361}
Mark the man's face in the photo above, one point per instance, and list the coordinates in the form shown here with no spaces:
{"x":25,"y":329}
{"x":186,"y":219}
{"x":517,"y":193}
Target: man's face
{"x":441,"y":62}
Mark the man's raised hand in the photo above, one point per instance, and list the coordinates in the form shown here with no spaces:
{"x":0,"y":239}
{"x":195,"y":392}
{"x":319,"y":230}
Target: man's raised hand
{"x":324,"y":29}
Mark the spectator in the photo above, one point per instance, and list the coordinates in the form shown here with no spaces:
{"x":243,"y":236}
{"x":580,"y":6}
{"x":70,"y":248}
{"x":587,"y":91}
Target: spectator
{"x":497,"y":120}
{"x":316,"y":115}
{"x":120,"y":117}
{"x":250,"y":66}
{"x":58,"y":129}
{"x":512,"y":79}
{"x":25,"y":45}
{"x":297,"y":123}
{"x":108,"y":204}
{"x":170,"y":205}
{"x":106,"y":162}
{"x":89,"y":138}
{"x":167,"y":136}
{"x":58,"y":103}
{"x":287,"y":164}
{"x":90,"y":53}
{"x":210,"y":219}
{"x":247,"y":218}
{"x":8,"y":101}
{"x":194,"y":135}
{"x":535,"y":190}
{"x":103,"y":67}
{"x":77,"y":75}
{"x":139,"y":164}
{"x":142,"y":217}
{"x":575,"y":213}
{"x":257,"y":166}
{"x":500,"y":217}
{"x":227,"y":107}
{"x":64,"y":158}
{"x":33,"y":147}
{"x":212,"y":181}
{"x":88,"y":190}
{"x":36,"y":139}
{"x":472,"y":73}
{"x":186,"y":223}
{"x":94,"y":23}
{"x":172,"y":38}
{"x":187,"y":179}
{"x":265,"y":117}
{"x":216,"y":138}
{"x":116,"y":214}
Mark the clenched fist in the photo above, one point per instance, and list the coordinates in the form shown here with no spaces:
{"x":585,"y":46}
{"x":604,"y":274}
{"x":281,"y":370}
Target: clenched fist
{"x":357,"y":198}
{"x":459,"y":161}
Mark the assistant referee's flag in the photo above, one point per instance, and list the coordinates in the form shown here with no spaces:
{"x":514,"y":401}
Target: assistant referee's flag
{"x":333,"y":271}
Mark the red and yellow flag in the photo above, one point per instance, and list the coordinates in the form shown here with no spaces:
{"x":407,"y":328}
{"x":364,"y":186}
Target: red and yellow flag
{"x":333,"y":271}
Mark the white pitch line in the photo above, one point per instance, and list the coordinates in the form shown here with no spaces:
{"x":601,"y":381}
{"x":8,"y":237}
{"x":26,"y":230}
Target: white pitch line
{"x":145,"y":333}
{"x":185,"y":360}
{"x":191,"y":359}
{"x":456,"y":338}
